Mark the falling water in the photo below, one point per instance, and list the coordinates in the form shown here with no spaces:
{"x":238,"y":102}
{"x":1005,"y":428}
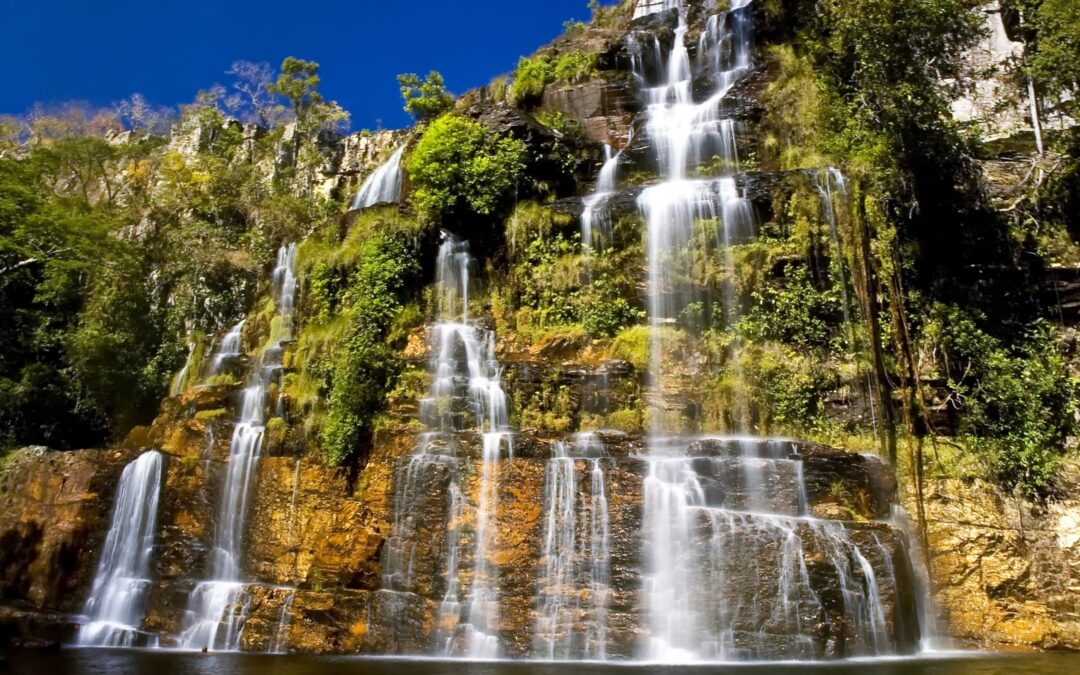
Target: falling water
{"x":685,"y":133}
{"x":595,"y":219}
{"x":725,"y":548}
{"x":117,"y":600}
{"x":217,"y":607}
{"x":729,"y":537}
{"x":572,"y":602}
{"x":466,"y":394}
{"x":229,"y":349}
{"x":383,"y":186}
{"x":647,"y":7}
{"x":180,"y":382}
{"x":277,"y":646}
{"x":557,"y":601}
{"x":831,"y":184}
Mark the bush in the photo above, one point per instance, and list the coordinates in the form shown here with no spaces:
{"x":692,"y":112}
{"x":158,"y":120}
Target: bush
{"x":459,"y":167}
{"x":795,"y":313}
{"x":530,"y":78}
{"x":605,"y":317}
{"x":366,"y":365}
{"x":1019,"y":400}
{"x":575,"y":67}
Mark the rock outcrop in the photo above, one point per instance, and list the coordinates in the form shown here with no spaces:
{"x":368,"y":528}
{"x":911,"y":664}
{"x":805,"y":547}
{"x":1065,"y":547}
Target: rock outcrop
{"x":1006,"y":570}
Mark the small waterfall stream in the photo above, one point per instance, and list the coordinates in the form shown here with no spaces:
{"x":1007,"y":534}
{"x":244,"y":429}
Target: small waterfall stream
{"x":383,"y":186}
{"x":572,"y":598}
{"x":230,"y":348}
{"x":595,"y":219}
{"x":466,"y":396}
{"x":217,"y":607}
{"x":117,"y":600}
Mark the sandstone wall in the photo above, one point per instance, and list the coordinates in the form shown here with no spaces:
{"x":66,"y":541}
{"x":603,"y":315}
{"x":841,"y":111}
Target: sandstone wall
{"x":1007,"y":571}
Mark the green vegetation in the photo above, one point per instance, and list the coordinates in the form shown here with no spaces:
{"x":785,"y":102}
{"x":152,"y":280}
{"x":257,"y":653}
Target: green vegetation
{"x":1014,"y":403}
{"x":299,"y":83}
{"x":459,"y":168}
{"x":358,"y":312}
{"x":529,"y":79}
{"x":575,"y":67}
{"x":552,"y":284}
{"x":534,"y":74}
{"x":367,"y":367}
{"x":425,"y":99}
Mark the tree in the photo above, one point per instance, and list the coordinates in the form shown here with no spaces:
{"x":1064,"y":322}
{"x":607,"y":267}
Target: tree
{"x":139,"y":115}
{"x":1055,"y":61}
{"x":425,"y":100}
{"x":253,"y":83}
{"x":299,"y":82}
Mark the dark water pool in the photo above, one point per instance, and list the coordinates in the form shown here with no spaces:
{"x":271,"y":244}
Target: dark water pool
{"x":104,"y":662}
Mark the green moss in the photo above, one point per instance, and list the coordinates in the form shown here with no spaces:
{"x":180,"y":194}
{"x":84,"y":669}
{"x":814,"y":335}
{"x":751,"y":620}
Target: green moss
{"x":634,"y":345}
{"x":211,"y":415}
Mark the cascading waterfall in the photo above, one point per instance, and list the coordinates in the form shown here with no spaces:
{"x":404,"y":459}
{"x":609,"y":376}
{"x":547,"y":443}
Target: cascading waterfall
{"x":707,"y":518}
{"x":466,"y":394}
{"x":180,"y":381}
{"x":230,"y":348}
{"x":117,"y":600}
{"x":383,"y":186}
{"x":574,"y":588}
{"x":217,"y":607}
{"x":831,"y":185}
{"x":595,"y":219}
{"x":558,"y":605}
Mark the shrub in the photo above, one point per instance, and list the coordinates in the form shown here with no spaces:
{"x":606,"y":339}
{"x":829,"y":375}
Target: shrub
{"x":366,"y":367}
{"x":1019,"y":400}
{"x":575,"y":67}
{"x":530,"y":78}
{"x":460,"y":167}
{"x":796,"y":313}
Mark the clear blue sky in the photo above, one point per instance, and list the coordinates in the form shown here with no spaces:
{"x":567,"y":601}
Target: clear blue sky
{"x":102,"y":51}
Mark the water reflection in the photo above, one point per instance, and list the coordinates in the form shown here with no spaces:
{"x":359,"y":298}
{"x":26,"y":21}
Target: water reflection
{"x":94,"y":661}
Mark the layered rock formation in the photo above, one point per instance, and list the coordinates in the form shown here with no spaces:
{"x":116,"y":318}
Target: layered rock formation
{"x":318,"y":538}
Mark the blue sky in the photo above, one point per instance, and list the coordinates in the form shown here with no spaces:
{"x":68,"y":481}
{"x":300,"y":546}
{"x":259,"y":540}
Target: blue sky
{"x":102,"y":51}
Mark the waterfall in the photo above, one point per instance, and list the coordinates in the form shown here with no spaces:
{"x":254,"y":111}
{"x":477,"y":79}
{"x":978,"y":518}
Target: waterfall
{"x":230,"y":348}
{"x":575,"y":584}
{"x":219,"y":602}
{"x":180,"y":382}
{"x":595,"y":220}
{"x":117,"y":599}
{"x":284,"y":623}
{"x":831,"y":184}
{"x":383,"y":186}
{"x":466,"y":394}
{"x":647,"y":7}
{"x":684,"y":134}
{"x":725,"y":546}
{"x":557,"y":600}
{"x":728,"y":540}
